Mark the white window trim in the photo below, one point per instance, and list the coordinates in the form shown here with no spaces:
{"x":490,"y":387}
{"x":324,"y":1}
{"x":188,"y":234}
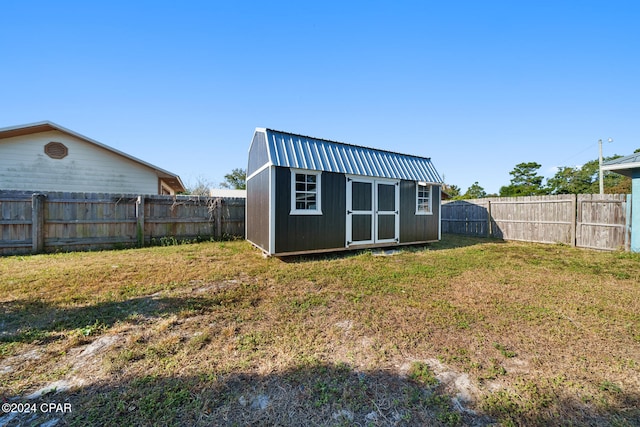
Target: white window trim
{"x":318,"y":210}
{"x":430,"y":187}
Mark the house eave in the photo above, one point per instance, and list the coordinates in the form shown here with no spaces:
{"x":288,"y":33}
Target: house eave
{"x":626,"y":169}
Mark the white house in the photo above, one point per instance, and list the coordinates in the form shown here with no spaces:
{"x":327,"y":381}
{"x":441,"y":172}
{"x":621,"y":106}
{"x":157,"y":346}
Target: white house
{"x":44,"y":156}
{"x":227,"y":192}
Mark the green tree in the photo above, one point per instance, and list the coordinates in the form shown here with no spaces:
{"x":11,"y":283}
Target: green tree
{"x":452,"y":190}
{"x":613,"y":183}
{"x":236,"y":180}
{"x":570,"y":180}
{"x":525,"y":181}
{"x":474,"y":192}
{"x":585,"y":180}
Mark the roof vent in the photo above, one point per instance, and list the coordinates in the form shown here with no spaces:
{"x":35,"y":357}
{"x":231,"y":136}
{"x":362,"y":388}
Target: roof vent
{"x":56,"y":150}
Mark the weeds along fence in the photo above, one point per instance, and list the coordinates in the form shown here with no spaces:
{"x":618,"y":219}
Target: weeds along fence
{"x":585,"y":220}
{"x":55,"y":221}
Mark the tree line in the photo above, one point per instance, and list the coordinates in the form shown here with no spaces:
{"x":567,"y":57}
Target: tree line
{"x":526,"y":181}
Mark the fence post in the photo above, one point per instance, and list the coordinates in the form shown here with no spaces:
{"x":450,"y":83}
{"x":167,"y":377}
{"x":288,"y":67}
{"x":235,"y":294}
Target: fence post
{"x":489,"y":221}
{"x":37,"y":222}
{"x":218,"y":214}
{"x":140,"y":221}
{"x":574,"y":216}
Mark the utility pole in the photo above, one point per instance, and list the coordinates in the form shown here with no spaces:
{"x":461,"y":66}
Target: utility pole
{"x":600,"y":165}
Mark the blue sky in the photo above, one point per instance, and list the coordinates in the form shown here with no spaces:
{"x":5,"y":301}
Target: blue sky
{"x":478,"y":86}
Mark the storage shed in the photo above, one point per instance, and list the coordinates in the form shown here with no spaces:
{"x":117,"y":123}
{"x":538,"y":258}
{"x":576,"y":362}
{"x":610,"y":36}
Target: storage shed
{"x":307,"y":195}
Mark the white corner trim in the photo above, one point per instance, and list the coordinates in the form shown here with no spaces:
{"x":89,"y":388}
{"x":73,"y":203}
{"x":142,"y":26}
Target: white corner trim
{"x":272,"y":211}
{"x":263,"y":167}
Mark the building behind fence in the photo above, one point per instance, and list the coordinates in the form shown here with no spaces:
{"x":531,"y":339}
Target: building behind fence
{"x":54,"y":221}
{"x":586,"y":220}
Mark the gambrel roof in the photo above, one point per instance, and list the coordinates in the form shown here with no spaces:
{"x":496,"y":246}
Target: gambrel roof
{"x":304,"y":152}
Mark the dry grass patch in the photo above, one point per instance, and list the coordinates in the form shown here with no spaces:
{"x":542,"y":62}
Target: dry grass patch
{"x":460,"y":332}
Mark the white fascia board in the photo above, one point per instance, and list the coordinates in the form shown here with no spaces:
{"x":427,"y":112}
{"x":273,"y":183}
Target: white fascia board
{"x":28,"y":125}
{"x":272,"y":210}
{"x":635,"y":165}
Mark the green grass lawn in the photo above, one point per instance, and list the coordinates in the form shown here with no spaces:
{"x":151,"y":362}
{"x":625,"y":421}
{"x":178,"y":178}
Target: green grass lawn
{"x":455,"y":333}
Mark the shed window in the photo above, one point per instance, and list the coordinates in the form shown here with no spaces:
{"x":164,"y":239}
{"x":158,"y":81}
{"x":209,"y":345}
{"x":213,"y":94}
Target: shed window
{"x":423,"y":202}
{"x":305,"y":192}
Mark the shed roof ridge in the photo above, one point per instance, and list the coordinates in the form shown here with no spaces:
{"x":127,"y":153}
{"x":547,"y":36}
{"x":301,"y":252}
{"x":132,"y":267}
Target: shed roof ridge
{"x":347,"y":144}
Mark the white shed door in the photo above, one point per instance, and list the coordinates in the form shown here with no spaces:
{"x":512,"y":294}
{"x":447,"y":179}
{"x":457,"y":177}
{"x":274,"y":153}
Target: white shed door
{"x":373,"y":211}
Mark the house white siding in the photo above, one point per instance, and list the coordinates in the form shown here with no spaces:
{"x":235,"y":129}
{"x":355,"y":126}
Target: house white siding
{"x":24,"y":165}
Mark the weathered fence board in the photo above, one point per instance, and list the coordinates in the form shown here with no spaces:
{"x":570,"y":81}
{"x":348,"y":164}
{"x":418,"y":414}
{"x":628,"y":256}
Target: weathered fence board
{"x":586,"y":220}
{"x":88,"y":221}
{"x":602,"y":221}
{"x":15,"y":224}
{"x":544,"y":219}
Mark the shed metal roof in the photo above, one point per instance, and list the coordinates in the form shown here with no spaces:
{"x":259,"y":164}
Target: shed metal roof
{"x":623,"y":165}
{"x":303,"y":152}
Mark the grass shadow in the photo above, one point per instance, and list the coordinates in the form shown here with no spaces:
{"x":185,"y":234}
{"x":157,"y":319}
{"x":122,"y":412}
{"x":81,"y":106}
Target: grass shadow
{"x":317,"y":394}
{"x":37,"y":321}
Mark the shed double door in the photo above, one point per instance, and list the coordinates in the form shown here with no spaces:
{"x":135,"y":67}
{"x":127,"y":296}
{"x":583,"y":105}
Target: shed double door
{"x":372,"y":211}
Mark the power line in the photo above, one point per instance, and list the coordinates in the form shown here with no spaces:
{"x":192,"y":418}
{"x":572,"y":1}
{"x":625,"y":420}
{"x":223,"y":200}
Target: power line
{"x":578,"y":153}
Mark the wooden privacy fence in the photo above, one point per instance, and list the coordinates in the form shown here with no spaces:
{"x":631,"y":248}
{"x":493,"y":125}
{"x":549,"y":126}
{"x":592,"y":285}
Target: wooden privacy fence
{"x":585,"y":220}
{"x":48,"y":222}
